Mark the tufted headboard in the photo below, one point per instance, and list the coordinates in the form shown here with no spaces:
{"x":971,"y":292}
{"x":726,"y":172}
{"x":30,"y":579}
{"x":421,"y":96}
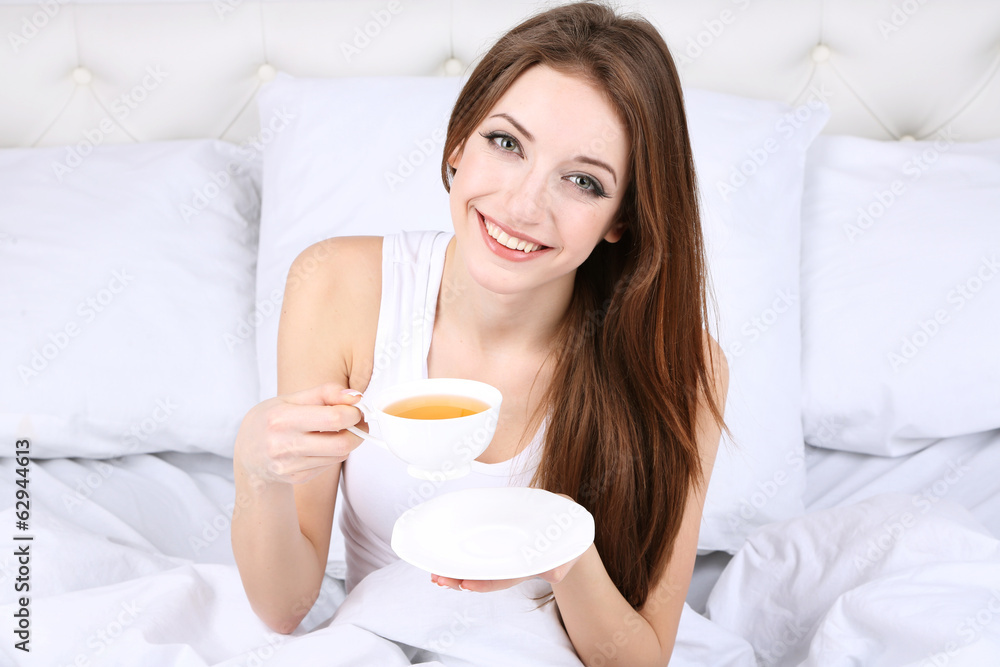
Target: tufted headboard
{"x":112,"y":71}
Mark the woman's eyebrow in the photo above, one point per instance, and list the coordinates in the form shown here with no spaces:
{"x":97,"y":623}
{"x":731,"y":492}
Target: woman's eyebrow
{"x":598,"y":163}
{"x":520,"y":128}
{"x":581,"y":158}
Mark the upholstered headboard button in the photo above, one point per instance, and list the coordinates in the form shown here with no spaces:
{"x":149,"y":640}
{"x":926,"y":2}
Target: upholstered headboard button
{"x":82,"y":76}
{"x":453,"y":67}
{"x":821,"y":53}
{"x":266,"y":72}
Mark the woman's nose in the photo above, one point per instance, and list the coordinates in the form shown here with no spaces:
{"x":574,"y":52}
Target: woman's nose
{"x":529,"y":198}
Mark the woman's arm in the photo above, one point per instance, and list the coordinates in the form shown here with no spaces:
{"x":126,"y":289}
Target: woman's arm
{"x":602,"y":625}
{"x":289,"y":449}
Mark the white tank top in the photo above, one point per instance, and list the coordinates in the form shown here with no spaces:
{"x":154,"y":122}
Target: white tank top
{"x":375,"y":487}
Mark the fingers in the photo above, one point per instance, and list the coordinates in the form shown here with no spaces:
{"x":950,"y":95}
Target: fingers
{"x":300,"y":469}
{"x":553,"y":576}
{"x":476,"y":586}
{"x":328,"y":393}
{"x":310,"y":448}
{"x":322,"y":418}
{"x":294,"y":437}
{"x":447,"y":582}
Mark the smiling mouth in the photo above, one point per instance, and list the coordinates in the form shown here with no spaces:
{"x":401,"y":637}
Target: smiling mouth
{"x":511,"y":242}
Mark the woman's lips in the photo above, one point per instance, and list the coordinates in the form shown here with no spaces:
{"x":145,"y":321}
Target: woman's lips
{"x":503,"y":250}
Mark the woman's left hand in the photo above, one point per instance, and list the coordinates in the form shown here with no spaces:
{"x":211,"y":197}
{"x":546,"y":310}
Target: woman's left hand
{"x":553,"y":576}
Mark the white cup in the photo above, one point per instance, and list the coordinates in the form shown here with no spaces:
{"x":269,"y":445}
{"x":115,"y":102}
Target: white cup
{"x":435,"y":449}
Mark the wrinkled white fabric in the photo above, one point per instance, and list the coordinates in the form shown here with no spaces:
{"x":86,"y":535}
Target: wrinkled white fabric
{"x":894,"y":580}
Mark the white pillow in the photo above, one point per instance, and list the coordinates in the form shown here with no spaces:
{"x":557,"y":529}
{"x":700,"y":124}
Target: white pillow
{"x":751,"y":159}
{"x":348,"y":157}
{"x":126,"y":281}
{"x":362,"y":156}
{"x":901,"y":277}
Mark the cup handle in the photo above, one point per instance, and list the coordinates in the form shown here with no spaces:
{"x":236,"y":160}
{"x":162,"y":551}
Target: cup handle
{"x":367,"y":436}
{"x":367,"y":411}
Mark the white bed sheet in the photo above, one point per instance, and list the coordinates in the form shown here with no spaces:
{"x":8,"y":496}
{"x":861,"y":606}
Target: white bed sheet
{"x":131,"y":564}
{"x":131,"y":560}
{"x":962,"y":469}
{"x":895,"y":563}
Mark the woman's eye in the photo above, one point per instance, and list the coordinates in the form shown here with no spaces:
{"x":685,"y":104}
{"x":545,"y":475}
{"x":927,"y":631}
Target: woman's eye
{"x":586,"y":183}
{"x":504,"y":142}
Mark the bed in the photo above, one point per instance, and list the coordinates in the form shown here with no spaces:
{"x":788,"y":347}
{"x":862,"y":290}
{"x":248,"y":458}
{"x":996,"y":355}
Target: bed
{"x":162,"y":163}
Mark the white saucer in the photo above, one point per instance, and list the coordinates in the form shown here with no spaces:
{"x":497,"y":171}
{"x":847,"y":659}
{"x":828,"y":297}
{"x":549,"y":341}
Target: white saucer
{"x":493,"y":533}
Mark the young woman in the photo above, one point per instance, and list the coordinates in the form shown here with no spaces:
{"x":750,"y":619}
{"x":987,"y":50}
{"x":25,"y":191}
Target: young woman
{"x":574,"y":282}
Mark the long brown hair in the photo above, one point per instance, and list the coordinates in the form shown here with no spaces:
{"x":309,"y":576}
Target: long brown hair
{"x":631,"y":364}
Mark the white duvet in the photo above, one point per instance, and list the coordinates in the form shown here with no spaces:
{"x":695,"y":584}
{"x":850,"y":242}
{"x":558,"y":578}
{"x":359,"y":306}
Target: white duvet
{"x":894,"y":581}
{"x":131,"y":565}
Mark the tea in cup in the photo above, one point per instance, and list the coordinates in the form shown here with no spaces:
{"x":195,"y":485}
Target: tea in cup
{"x":438,"y":425}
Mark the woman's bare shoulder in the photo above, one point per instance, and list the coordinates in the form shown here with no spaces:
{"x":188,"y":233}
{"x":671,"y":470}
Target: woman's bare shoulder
{"x":330,"y":311}
{"x":337,"y":266}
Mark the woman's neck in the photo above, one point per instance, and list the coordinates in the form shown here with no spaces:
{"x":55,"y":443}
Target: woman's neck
{"x":526,"y":322}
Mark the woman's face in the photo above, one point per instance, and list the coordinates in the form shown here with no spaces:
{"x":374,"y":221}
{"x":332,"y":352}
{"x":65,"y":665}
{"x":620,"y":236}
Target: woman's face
{"x":537,"y":185}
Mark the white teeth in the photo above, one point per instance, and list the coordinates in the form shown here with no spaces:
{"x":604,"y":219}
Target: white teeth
{"x":511,"y":242}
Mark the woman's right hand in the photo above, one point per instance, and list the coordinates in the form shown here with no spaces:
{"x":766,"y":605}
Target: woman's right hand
{"x":295,"y":437}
